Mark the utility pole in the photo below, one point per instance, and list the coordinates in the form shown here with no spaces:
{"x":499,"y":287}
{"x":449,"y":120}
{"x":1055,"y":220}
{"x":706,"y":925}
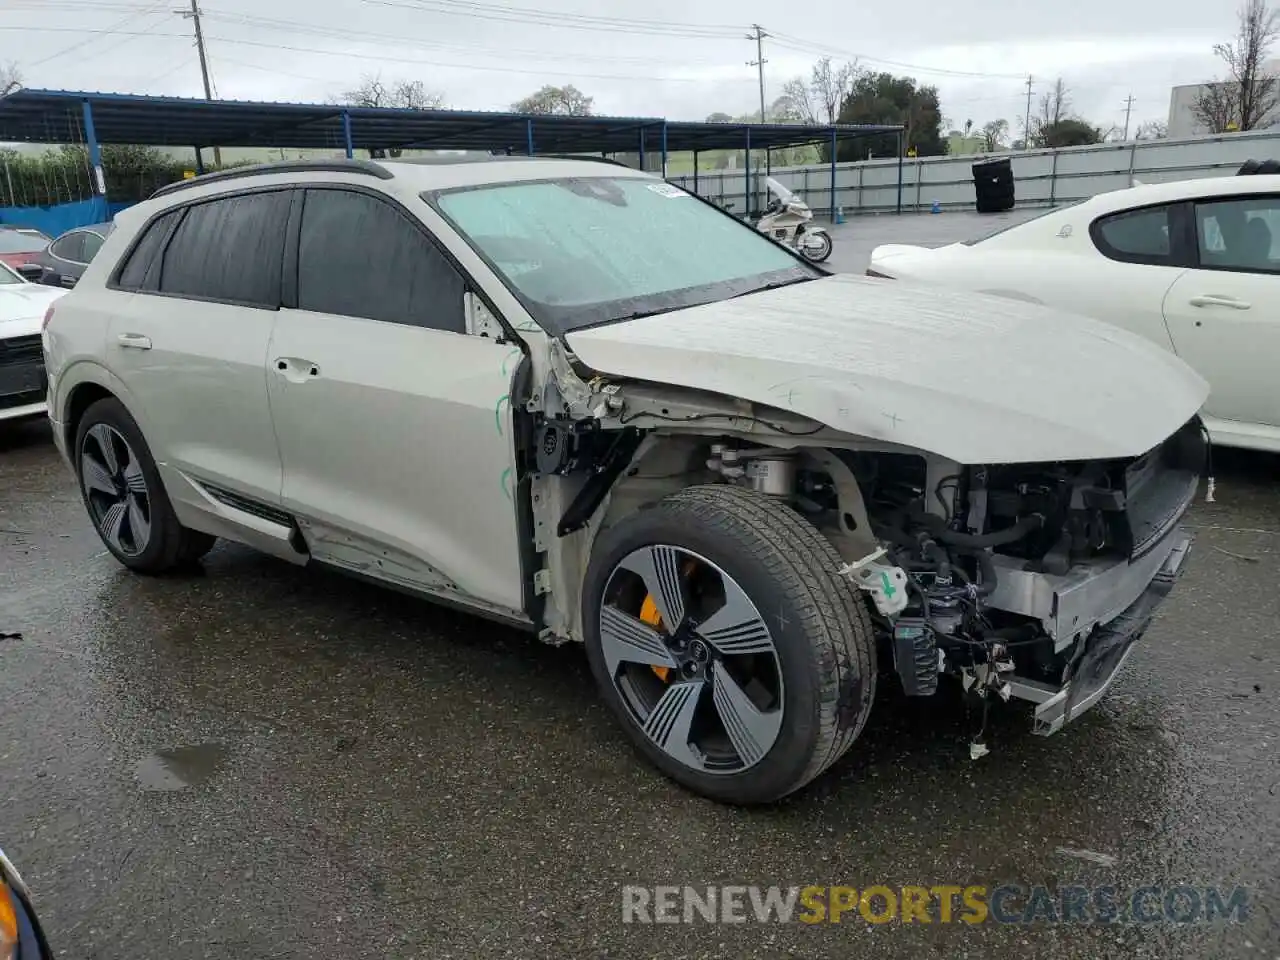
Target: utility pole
{"x":194,"y":16}
{"x":1128,"y":108}
{"x":758,"y":36}
{"x":1026,"y":123}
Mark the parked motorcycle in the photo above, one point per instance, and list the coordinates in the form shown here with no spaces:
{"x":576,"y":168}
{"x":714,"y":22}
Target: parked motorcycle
{"x":789,"y":220}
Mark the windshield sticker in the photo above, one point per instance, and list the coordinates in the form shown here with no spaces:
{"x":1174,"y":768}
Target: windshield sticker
{"x":667,"y":190}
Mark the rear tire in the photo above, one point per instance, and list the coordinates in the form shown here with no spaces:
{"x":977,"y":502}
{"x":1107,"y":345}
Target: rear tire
{"x":795,"y":606}
{"x":123,"y":494}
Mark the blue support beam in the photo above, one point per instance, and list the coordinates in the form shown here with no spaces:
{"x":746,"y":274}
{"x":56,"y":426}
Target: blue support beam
{"x":346,"y":133}
{"x":199,"y":162}
{"x":695,"y":171}
{"x":642,"y":148}
{"x":528,"y":136}
{"x":746,"y":178}
{"x":664,"y":149}
{"x":834,"y":205}
{"x":95,"y":154}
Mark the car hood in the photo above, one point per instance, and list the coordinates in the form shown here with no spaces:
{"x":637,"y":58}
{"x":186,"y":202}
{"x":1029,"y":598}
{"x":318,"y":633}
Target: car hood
{"x":974,"y":378}
{"x":22,"y":307}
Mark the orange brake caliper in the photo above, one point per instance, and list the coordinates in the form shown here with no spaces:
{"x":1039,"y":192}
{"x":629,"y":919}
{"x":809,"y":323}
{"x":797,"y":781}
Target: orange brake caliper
{"x":650,"y":615}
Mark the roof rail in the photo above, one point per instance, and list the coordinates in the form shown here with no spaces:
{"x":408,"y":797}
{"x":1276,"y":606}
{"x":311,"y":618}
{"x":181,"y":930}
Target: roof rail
{"x":585,"y":158}
{"x":367,"y":167}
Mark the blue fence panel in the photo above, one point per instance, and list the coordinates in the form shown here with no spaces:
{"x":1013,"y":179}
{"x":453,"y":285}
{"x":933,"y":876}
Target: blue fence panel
{"x":63,"y":217}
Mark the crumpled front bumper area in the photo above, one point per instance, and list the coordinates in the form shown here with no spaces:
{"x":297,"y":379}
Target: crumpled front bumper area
{"x":1106,"y":649}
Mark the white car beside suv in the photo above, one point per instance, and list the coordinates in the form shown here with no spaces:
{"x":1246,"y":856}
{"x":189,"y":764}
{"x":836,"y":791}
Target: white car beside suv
{"x":22,"y":379}
{"x":573,"y":397}
{"x":1193,"y":266}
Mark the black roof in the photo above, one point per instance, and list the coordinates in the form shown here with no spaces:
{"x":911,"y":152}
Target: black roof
{"x":56,"y":116}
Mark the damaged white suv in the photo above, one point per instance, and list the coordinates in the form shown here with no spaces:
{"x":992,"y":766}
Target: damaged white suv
{"x":570,"y":396}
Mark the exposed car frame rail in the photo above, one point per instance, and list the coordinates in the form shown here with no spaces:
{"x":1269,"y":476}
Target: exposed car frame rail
{"x":367,"y":167}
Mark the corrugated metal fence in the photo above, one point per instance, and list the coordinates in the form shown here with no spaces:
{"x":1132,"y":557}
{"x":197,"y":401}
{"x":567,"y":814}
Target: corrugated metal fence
{"x":1043,"y":177}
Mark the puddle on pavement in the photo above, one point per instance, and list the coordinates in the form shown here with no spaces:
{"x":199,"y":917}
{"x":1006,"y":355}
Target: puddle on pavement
{"x":180,"y":767}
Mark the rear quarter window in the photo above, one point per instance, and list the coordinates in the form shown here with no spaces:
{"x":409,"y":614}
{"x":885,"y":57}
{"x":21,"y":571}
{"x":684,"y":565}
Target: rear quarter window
{"x":141,"y":270}
{"x":1137,"y":236}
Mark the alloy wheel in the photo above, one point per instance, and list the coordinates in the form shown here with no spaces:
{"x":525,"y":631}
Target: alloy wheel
{"x":115,"y":489}
{"x":692,"y":659}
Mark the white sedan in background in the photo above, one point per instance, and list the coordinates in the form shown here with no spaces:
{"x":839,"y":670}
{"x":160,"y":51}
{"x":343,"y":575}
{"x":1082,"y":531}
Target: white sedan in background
{"x":22,"y":375}
{"x":1193,"y":266}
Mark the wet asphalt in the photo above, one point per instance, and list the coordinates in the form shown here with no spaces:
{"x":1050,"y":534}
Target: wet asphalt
{"x":261,"y":761}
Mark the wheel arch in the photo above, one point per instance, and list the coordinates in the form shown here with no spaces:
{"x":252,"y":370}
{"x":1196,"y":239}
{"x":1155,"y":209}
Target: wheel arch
{"x":80,"y":386}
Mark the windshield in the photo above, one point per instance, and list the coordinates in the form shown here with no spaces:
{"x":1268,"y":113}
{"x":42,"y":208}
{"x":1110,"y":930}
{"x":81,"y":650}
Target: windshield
{"x":582,"y":251}
{"x":778,"y":190}
{"x":19,"y":241}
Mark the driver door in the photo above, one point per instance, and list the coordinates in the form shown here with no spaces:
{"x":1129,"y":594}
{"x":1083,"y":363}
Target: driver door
{"x":394,"y":424}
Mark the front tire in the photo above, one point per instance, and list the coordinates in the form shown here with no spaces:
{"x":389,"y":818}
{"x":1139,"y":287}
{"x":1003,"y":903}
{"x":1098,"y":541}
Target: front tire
{"x":720,"y":633}
{"x":815,"y":253}
{"x":123,"y":494}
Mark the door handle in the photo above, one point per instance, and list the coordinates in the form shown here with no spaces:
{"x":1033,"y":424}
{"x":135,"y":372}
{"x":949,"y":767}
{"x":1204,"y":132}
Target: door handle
{"x":1219,"y":300}
{"x":134,"y":341}
{"x":297,"y":370}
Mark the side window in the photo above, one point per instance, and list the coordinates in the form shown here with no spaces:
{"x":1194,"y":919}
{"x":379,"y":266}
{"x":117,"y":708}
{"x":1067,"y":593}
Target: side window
{"x":359,"y":256}
{"x":229,"y":249}
{"x":70,"y":246}
{"x":1239,"y":234}
{"x":1136,"y":236}
{"x":142,"y":270}
{"x":92,"y":244}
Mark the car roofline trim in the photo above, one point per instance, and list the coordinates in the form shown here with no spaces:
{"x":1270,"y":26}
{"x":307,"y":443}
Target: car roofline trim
{"x":367,"y":167}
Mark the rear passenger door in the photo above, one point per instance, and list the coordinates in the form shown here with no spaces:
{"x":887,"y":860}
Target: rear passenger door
{"x":191,"y":347}
{"x":394,"y":424}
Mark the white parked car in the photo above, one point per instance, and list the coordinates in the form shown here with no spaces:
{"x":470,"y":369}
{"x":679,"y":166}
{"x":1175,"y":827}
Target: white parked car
{"x":572,"y":397}
{"x":1193,"y":266}
{"x":22,"y":379}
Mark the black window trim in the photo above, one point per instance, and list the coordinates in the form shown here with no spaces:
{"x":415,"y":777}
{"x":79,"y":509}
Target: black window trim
{"x":113,"y":281}
{"x":289,"y":281}
{"x":1195,"y":233}
{"x":1181,"y":253}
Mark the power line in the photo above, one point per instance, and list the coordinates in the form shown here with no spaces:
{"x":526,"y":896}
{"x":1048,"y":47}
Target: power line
{"x":505,"y":53}
{"x":419,"y":61}
{"x":85,"y":42}
{"x":526,"y":15}
{"x":808,"y":46}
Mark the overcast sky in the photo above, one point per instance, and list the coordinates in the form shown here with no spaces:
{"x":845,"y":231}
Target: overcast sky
{"x":676,"y":58}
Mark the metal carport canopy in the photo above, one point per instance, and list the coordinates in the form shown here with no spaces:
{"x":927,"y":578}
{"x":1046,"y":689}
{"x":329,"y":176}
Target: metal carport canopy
{"x":53,"y":116}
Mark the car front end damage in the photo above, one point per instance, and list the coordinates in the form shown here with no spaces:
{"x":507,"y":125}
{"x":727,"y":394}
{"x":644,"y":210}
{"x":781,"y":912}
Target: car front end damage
{"x":1020,"y":581}
{"x":1031,"y":581}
